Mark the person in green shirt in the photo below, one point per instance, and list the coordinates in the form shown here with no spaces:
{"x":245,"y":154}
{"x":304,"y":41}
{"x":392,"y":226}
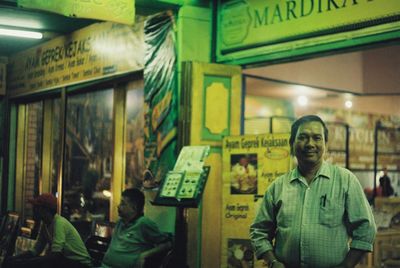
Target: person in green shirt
{"x":65,"y":247}
{"x":135,"y":237}
{"x":317,"y":214}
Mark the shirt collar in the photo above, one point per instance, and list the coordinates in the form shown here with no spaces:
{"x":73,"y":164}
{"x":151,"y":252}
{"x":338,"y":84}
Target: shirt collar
{"x":133,"y":220}
{"x":323,"y":171}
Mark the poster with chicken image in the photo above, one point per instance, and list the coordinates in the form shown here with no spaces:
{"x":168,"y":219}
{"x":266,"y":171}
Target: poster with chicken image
{"x":250,"y":164}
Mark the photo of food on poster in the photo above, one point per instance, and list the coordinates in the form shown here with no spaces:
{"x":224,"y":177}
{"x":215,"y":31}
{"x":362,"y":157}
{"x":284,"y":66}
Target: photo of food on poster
{"x":240,"y":253}
{"x":243,"y":173}
{"x":250,"y":165}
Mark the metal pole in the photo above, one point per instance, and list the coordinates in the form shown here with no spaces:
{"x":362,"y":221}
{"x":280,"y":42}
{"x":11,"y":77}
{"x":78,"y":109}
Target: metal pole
{"x":347,"y":145}
{"x":377,"y":126}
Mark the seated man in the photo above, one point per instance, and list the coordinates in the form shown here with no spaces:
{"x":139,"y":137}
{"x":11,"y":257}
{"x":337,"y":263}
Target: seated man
{"x":135,"y":237}
{"x":65,"y":246}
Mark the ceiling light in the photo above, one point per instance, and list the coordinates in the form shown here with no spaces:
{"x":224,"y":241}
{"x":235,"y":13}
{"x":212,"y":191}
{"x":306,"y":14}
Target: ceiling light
{"x":21,"y":33}
{"x":302,"y":100}
{"x":348,"y":104}
{"x":107,"y":193}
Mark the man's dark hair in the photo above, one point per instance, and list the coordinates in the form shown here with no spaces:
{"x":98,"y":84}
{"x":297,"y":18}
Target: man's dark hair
{"x":136,"y":197}
{"x":302,"y":120}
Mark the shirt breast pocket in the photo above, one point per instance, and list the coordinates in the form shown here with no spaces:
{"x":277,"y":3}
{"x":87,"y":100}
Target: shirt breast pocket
{"x":330,"y":213}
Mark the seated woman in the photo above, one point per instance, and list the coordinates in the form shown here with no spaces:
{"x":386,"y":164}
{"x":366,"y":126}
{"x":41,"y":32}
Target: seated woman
{"x":135,"y":237}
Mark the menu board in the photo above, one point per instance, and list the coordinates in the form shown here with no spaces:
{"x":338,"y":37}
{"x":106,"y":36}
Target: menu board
{"x":184,"y":185}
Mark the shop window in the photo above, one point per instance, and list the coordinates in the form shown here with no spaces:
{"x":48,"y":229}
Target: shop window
{"x":55,"y":144}
{"x":87,"y":156}
{"x":134,"y":167}
{"x":33,"y":154}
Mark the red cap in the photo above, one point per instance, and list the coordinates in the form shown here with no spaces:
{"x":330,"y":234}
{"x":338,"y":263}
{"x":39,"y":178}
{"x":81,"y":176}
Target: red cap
{"x":45,"y":200}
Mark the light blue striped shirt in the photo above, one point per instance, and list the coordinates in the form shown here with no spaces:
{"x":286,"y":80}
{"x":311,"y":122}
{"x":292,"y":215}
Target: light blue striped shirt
{"x":313,"y":224}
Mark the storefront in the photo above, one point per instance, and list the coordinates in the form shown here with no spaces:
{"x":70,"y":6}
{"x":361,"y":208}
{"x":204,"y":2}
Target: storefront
{"x":295,"y":49}
{"x":109,"y":106}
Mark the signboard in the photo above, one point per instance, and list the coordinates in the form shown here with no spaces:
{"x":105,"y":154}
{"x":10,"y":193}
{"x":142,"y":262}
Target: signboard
{"x":121,"y":11}
{"x":250,"y":24}
{"x":99,"y":50}
{"x":250,"y":164}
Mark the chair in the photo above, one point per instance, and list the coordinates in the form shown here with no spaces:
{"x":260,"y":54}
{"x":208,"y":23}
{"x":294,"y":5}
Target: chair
{"x":388,"y":249}
{"x":391,"y":255}
{"x":103,"y":229}
{"x":163,"y":258}
{"x":159,"y":260}
{"x":8,"y":235}
{"x":99,"y":240}
{"x":97,"y":247}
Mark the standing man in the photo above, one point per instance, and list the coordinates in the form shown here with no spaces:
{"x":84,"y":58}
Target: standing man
{"x":313,"y":211}
{"x":135,"y":237}
{"x":65,"y":247}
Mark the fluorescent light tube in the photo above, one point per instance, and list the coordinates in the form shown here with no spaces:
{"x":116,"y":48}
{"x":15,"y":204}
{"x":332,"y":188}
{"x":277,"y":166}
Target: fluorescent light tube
{"x":21,"y":33}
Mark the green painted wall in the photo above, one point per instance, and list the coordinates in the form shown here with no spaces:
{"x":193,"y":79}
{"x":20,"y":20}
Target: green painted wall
{"x":194,"y":34}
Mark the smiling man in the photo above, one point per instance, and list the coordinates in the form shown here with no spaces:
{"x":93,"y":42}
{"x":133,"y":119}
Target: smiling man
{"x":317,"y":213}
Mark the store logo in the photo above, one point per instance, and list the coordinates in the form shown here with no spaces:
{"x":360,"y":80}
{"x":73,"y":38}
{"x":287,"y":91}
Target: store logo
{"x":276,"y":153}
{"x":235,"y":22}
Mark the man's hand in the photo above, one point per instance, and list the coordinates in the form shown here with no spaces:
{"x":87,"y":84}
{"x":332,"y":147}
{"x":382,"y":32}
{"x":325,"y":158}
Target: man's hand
{"x":25,"y":255}
{"x":271,"y":260}
{"x":352,"y":258}
{"x":277,"y":264}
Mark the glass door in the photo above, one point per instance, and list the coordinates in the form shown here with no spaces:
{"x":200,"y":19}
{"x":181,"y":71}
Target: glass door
{"x":88,"y":156}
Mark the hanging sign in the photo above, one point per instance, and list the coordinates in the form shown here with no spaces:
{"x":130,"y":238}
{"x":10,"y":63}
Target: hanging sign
{"x":121,"y":11}
{"x":250,"y":164}
{"x":99,"y":50}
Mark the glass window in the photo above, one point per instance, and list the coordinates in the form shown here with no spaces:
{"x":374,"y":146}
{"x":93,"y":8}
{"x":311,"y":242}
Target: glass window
{"x":134,"y":167}
{"x":33,"y":154}
{"x":55,"y":144}
{"x":88,"y":156}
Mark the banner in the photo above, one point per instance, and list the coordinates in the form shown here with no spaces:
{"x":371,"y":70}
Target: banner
{"x":250,"y":164}
{"x":120,"y":11}
{"x":96,"y":51}
{"x":160,"y":96}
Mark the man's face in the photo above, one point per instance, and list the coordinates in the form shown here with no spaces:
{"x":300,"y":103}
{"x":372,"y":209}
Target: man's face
{"x":126,"y":210}
{"x":309,"y":144}
{"x":243,"y":161}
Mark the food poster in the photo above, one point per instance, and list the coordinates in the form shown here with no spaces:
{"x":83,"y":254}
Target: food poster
{"x":250,"y":164}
